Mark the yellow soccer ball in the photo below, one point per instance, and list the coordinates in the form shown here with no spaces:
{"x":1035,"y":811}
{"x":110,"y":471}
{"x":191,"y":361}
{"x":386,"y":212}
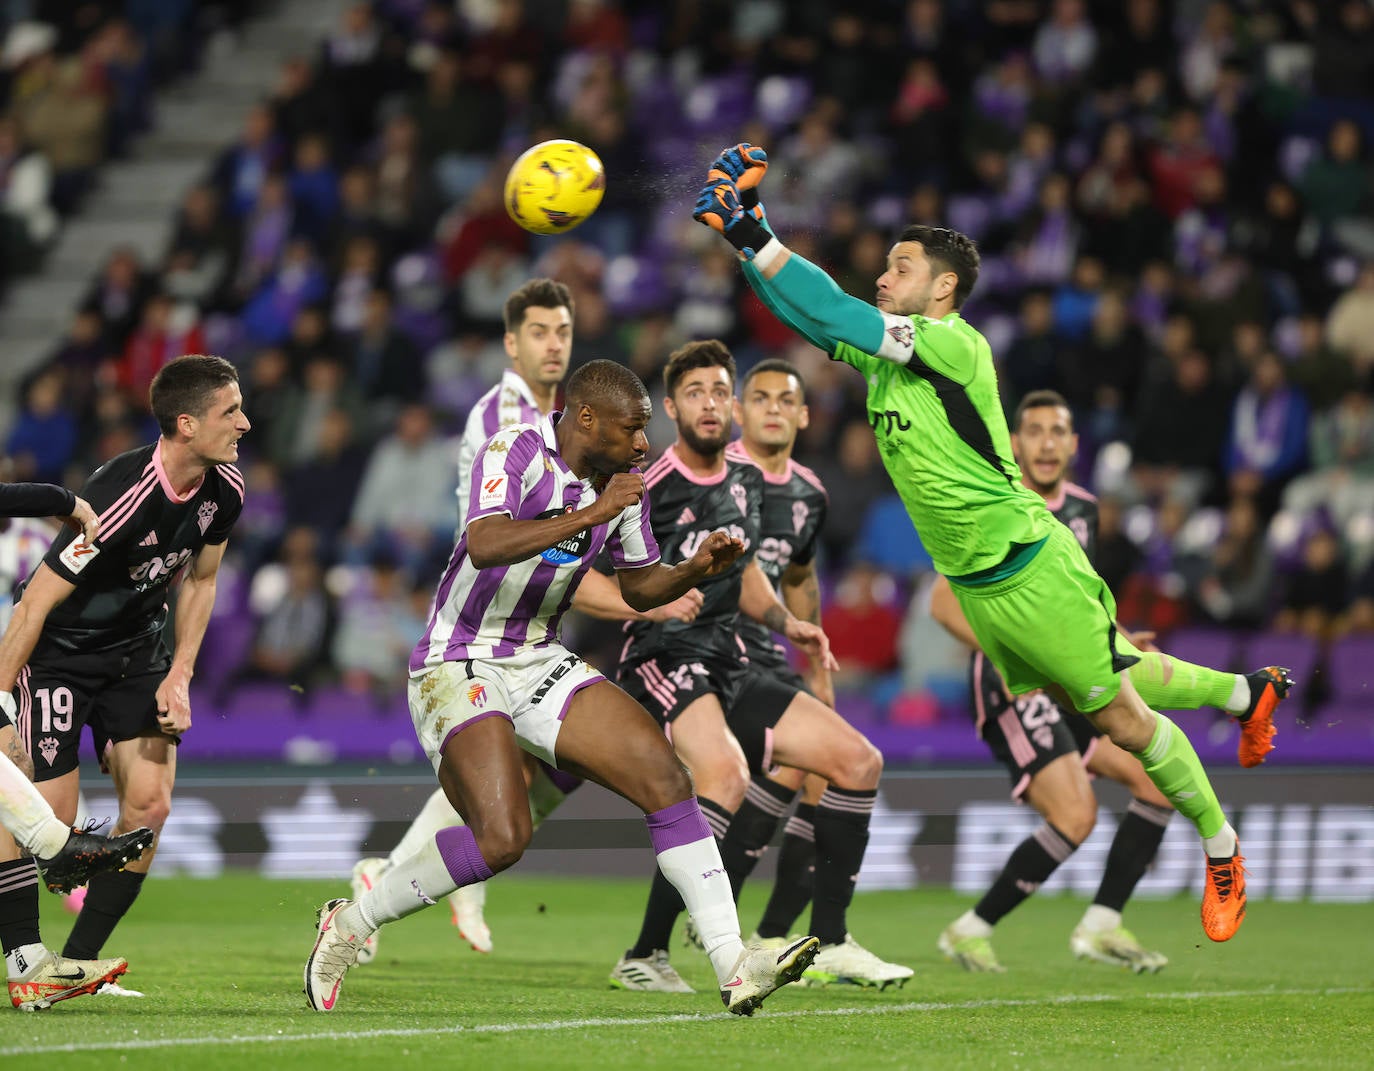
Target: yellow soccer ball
{"x":554,"y":186}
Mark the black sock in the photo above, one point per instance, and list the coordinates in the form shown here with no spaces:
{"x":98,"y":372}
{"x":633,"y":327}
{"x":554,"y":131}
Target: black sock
{"x":108,"y":899}
{"x":796,"y":874}
{"x":665,"y":902}
{"x":18,"y":904}
{"x":1133,"y":850}
{"x":1029,"y":867}
{"x":752,"y":827}
{"x":842,"y":818}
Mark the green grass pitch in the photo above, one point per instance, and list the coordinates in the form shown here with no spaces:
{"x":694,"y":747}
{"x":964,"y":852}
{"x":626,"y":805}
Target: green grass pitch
{"x":221,"y":963}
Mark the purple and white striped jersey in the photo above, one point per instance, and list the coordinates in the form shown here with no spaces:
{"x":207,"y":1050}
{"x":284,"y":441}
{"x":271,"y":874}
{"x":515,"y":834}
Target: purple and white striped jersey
{"x":509,"y":402}
{"x":493,"y":613}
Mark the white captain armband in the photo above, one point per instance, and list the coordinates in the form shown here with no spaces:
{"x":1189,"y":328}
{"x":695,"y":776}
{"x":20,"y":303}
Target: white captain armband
{"x":899,"y":339}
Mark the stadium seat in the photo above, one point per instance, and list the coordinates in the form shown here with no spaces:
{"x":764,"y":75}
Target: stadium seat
{"x":1211,"y":647}
{"x":1350,"y":671}
{"x":1298,"y":653}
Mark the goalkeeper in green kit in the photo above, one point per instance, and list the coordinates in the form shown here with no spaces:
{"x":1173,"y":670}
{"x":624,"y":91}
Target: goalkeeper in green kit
{"x":1040,"y":613}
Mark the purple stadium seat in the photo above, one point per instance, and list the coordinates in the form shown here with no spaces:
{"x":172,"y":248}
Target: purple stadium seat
{"x":1214,"y":648}
{"x":1298,"y":653}
{"x":1350,"y":671}
{"x":1335,"y":733}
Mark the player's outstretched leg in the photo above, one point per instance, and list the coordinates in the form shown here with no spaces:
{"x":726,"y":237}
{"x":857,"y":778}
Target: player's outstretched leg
{"x":1268,"y":688}
{"x":86,"y":854}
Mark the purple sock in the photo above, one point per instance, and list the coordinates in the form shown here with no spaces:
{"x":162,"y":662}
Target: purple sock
{"x":674,"y":826}
{"x":459,"y":851}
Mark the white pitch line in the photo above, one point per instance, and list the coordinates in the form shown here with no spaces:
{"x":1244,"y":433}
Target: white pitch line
{"x":656,"y":1020}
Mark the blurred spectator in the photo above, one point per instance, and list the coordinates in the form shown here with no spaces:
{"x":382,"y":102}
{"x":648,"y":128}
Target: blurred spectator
{"x":359,"y":273}
{"x":118,"y":294}
{"x":1065,"y":44}
{"x":1350,"y":325}
{"x":165,"y":332}
{"x":202,"y":254}
{"x":1032,"y":361}
{"x":863,"y":624}
{"x":405,"y":502}
{"x":1341,"y":480}
{"x":1101,"y":376}
{"x":293,"y":614}
{"x":27,"y":221}
{"x":406,"y":201}
{"x":1317,"y":369}
{"x":1236,"y":582}
{"x":386,"y":364}
{"x":319,"y":491}
{"x":378,"y":628}
{"x":64,"y":119}
{"x":1318,"y":591}
{"x":299,"y":281}
{"x":43,"y":439}
{"x":266,"y":229}
{"x":854,"y":477}
{"x":243,"y":168}
{"x":1179,"y":436}
{"x":314,"y":186}
{"x":325,"y":387}
{"x":458,"y":124}
{"x":1267,"y":444}
{"x":1177,"y":162}
{"x":1335,"y":185}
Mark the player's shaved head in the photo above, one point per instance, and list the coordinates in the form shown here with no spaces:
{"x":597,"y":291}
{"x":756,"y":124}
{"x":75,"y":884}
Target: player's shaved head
{"x":1039,"y":399}
{"x":603,"y":386}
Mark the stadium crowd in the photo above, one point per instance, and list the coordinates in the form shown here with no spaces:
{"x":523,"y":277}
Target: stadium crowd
{"x":1172,"y":200}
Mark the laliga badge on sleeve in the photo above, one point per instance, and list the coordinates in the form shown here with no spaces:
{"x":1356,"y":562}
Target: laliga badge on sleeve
{"x":78,"y":554}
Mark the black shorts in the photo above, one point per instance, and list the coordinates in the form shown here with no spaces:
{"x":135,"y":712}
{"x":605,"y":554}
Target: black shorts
{"x":113,"y":691}
{"x":1026,"y":732}
{"x":668,"y":684}
{"x":766,"y":694}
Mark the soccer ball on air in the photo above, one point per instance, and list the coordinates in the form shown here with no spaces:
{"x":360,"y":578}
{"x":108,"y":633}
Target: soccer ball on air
{"x":554,"y":186}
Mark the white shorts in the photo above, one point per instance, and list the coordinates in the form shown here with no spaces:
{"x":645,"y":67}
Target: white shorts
{"x":531,"y":689}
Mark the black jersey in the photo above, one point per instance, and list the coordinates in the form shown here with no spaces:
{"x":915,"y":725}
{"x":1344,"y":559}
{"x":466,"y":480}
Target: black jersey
{"x":684,"y":510}
{"x":147,"y":535}
{"x":1076,"y":509}
{"x":794,"y":507}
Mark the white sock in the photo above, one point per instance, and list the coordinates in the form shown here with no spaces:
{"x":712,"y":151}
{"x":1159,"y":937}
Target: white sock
{"x":19,"y":961}
{"x":970,"y":925}
{"x":1099,"y":919}
{"x":1222,"y":844}
{"x":436,"y":814}
{"x":545,"y":797}
{"x":698,"y":875}
{"x":27,"y":815}
{"x":410,"y":886}
{"x":1239,"y":702}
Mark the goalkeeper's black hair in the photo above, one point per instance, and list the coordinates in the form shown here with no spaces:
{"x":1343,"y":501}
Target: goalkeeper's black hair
{"x":537,"y":293}
{"x":774,"y":364}
{"x":948,"y":250}
{"x":708,"y":353}
{"x":1039,"y":399}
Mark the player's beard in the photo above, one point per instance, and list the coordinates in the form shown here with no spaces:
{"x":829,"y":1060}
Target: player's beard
{"x":702,"y":444}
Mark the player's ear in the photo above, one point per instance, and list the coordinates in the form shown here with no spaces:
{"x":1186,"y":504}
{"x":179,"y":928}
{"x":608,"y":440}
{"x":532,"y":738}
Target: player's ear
{"x":946,"y":284}
{"x":737,"y":410}
{"x":187,"y":425}
{"x":586,"y":416}
{"x":509,"y":341}
{"x":669,"y":409}
{"x":803,"y":417}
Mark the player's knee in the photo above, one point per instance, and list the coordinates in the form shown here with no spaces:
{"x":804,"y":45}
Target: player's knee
{"x":858,"y":765}
{"x":1077,"y":824}
{"x":503,"y":842}
{"x":724,"y":782}
{"x":151,"y":811}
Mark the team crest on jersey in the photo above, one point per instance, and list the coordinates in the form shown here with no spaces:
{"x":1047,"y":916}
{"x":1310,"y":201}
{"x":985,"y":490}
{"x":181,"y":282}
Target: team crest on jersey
{"x":477,"y":694}
{"x":206,"y":514}
{"x":1079,"y":527}
{"x":902,"y":334}
{"x":801,"y":512}
{"x":47,"y":747}
{"x":741,"y":497}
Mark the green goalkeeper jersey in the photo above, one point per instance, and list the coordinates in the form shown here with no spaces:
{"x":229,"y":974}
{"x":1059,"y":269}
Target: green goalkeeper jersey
{"x":934,"y":407}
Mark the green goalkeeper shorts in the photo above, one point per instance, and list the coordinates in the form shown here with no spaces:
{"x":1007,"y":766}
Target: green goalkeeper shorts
{"x":1053,"y":622}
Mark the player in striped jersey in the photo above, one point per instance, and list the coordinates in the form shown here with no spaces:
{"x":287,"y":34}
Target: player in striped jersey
{"x":489,"y":678}
{"x":691,"y":677}
{"x":85,"y":644}
{"x":1050,"y":754}
{"x":539,"y":319}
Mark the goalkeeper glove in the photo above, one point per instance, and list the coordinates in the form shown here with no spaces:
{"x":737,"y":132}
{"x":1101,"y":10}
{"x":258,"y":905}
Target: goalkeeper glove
{"x":718,"y":206}
{"x":744,"y":165}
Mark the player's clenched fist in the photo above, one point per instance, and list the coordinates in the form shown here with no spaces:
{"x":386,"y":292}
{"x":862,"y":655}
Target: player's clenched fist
{"x":717,"y":553}
{"x":621,"y":492}
{"x":743,"y":164}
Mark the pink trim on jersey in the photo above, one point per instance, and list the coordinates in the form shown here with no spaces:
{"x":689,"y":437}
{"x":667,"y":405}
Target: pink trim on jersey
{"x":471,"y":722}
{"x":167,"y":488}
{"x":568,"y":702}
{"x":736,"y":450}
{"x":25,"y":711}
{"x":671,"y":460}
{"x":233,"y":477}
{"x":768,"y":765}
{"x":1019,"y":789}
{"x":114,"y":518}
{"x":656,"y":684}
{"x":1055,"y":504}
